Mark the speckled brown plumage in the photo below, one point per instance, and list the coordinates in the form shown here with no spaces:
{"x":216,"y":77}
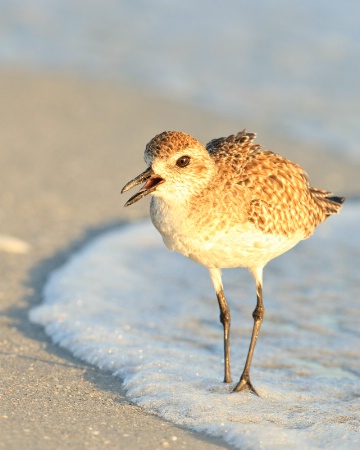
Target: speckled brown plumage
{"x":167,"y":142}
{"x":275,"y":193}
{"x":281,"y":199}
{"x":229,"y":204}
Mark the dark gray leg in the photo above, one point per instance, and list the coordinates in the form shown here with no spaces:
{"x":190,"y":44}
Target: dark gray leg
{"x":225,"y":320}
{"x":258,"y":315}
{"x":215,"y":274}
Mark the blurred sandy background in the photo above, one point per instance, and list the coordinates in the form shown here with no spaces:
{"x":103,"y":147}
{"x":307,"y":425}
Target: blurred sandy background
{"x":83,"y":87}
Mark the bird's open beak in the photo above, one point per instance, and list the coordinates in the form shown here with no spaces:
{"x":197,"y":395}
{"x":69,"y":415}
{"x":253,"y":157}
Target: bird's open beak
{"x":151,"y":181}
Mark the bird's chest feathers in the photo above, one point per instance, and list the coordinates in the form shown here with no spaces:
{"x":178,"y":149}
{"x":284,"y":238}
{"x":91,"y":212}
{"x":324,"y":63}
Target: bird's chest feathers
{"x":213,"y":242}
{"x":179,"y":230}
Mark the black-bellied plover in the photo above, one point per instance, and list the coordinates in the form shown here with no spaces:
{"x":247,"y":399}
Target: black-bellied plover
{"x":229,"y":204}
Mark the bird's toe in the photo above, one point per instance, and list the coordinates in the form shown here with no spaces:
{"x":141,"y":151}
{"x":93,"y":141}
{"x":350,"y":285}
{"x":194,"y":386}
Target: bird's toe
{"x":245,"y":384}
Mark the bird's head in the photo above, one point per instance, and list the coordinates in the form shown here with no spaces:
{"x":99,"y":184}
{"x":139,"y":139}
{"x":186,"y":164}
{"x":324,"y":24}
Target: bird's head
{"x":179,"y":167}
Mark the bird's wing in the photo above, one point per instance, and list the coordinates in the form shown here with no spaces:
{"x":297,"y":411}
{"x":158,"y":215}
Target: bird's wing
{"x":276,"y":191}
{"x":234,"y":147}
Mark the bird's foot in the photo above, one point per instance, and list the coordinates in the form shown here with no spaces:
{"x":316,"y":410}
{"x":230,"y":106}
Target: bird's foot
{"x":244,"y":384}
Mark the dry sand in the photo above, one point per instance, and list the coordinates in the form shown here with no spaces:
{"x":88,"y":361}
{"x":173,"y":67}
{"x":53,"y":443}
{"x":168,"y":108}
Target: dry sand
{"x":67,"y":146}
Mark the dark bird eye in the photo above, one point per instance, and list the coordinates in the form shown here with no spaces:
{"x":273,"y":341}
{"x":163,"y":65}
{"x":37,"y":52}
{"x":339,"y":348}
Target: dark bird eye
{"x":183,"y":161}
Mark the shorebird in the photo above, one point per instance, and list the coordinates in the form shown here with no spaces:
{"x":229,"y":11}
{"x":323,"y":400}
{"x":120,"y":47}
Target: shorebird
{"x":229,"y":204}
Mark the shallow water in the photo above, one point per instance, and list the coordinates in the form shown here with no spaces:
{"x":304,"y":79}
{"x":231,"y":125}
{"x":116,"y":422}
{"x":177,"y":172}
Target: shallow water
{"x":128,"y":305}
{"x":291,"y":66}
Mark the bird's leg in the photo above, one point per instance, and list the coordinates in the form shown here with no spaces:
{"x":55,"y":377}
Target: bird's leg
{"x":258,"y":314}
{"x":225,"y":320}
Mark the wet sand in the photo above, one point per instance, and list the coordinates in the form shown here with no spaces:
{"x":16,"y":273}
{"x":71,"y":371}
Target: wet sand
{"x":67,"y":146}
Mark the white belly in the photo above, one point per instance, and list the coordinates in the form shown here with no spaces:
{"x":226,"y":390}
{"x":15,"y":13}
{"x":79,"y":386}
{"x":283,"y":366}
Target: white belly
{"x":238,"y":246}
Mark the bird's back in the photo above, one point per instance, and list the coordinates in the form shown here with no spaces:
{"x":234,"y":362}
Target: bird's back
{"x":277,"y":193}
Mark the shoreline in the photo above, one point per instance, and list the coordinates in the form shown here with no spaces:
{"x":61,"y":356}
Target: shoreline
{"x":67,"y":147}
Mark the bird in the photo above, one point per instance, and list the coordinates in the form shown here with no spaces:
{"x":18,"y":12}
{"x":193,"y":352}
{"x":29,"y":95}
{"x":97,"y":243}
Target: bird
{"x":229,"y":204}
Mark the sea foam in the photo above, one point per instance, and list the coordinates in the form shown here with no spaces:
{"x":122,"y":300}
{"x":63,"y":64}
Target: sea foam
{"x":126,"y":304}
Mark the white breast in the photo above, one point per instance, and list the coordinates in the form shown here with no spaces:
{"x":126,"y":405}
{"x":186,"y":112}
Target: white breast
{"x":238,"y":246}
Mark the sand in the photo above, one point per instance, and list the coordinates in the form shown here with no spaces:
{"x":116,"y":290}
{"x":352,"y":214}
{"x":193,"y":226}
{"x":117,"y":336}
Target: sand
{"x":67,"y":146}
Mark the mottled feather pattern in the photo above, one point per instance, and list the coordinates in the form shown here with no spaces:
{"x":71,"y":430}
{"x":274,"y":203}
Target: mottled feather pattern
{"x":279,"y":197}
{"x":250,"y":184}
{"x":166,"y":143}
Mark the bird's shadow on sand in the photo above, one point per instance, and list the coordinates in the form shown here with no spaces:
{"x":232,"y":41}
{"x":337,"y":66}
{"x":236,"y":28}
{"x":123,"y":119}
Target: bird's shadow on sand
{"x":35,"y":282}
